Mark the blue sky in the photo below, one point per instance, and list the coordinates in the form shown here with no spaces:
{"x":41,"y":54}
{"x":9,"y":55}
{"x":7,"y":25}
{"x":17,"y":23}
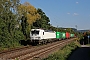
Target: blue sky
{"x":65,"y":13}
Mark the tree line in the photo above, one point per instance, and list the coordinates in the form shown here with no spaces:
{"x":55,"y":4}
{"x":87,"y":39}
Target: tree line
{"x":16,"y":21}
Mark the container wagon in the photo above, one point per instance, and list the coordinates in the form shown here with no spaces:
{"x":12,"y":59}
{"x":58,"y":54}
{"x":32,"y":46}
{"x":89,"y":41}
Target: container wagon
{"x":67,"y":35}
{"x":72,"y":35}
{"x":63,"y":35}
{"x":58,"y":35}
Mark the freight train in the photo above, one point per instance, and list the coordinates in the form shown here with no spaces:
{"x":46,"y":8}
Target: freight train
{"x":41,"y":36}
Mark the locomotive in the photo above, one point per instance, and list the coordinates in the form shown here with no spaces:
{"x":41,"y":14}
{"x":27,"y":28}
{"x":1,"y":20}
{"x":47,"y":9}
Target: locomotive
{"x":41,"y":36}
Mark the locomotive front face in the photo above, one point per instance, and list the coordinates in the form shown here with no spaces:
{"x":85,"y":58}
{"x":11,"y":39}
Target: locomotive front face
{"x":35,"y":35}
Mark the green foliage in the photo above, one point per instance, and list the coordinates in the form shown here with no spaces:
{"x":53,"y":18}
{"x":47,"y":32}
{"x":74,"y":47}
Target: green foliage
{"x":16,"y":20}
{"x":27,"y":15}
{"x":43,"y":22}
{"x":64,"y":53}
{"x":10,"y":34}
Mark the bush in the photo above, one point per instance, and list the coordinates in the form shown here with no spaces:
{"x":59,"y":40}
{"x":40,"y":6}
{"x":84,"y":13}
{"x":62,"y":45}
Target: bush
{"x":9,"y":39}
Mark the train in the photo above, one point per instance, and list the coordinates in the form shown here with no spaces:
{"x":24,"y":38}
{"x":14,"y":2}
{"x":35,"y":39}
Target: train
{"x":41,"y":36}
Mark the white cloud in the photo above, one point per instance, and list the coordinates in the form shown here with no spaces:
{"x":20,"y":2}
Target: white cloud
{"x":77,"y":2}
{"x":75,"y":14}
{"x":68,"y":13}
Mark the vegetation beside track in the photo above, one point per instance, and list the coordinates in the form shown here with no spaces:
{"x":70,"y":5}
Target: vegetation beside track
{"x":64,"y":53}
{"x":16,"y":23}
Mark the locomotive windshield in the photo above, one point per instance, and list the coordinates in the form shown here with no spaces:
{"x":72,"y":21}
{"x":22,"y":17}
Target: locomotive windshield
{"x":36,"y":32}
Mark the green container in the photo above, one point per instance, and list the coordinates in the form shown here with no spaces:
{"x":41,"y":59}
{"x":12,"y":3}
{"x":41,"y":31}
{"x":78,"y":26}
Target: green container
{"x":63,"y":35}
{"x":71,"y":35}
{"x":58,"y":35}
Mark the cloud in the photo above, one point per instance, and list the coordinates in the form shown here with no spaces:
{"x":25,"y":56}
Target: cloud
{"x":75,"y":14}
{"x":68,"y":13}
{"x":77,"y":2}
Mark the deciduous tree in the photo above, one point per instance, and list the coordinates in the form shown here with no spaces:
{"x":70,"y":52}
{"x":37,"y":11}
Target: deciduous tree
{"x":43,"y":22}
{"x":28,"y":14}
{"x":8,"y":23}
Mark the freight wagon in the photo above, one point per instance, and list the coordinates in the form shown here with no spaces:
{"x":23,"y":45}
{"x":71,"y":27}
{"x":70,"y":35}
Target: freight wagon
{"x":67,"y":35}
{"x":58,"y":35}
{"x":63,"y":35}
{"x":72,"y":35}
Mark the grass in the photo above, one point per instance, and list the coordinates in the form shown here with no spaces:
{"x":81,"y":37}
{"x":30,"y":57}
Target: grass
{"x":64,"y":53}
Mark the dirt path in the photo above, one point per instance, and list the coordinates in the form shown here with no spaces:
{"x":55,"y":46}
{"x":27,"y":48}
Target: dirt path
{"x":82,"y":53}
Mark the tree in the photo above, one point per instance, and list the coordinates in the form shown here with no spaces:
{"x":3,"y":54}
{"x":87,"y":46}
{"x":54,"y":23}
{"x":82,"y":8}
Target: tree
{"x":43,"y":22}
{"x":8,"y":22}
{"x":27,"y":15}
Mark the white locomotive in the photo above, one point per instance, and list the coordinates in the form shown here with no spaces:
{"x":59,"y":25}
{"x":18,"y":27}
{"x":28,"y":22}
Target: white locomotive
{"x":40,"y":35}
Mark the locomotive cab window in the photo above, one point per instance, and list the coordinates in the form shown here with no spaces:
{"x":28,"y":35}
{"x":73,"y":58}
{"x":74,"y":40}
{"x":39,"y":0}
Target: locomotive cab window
{"x":43,"y":33}
{"x":36,"y":32}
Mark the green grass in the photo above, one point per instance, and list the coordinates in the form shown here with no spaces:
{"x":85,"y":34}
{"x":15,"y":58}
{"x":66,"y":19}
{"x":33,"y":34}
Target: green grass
{"x":64,"y":53}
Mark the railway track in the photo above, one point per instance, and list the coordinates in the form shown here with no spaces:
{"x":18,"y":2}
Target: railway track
{"x":32,"y":53}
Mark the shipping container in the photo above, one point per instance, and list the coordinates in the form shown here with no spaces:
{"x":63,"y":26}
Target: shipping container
{"x":71,"y":35}
{"x":67,"y":35}
{"x":63,"y":35}
{"x":58,"y":35}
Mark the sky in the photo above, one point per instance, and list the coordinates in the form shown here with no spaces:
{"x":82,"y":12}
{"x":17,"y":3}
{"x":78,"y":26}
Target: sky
{"x":65,"y":13}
